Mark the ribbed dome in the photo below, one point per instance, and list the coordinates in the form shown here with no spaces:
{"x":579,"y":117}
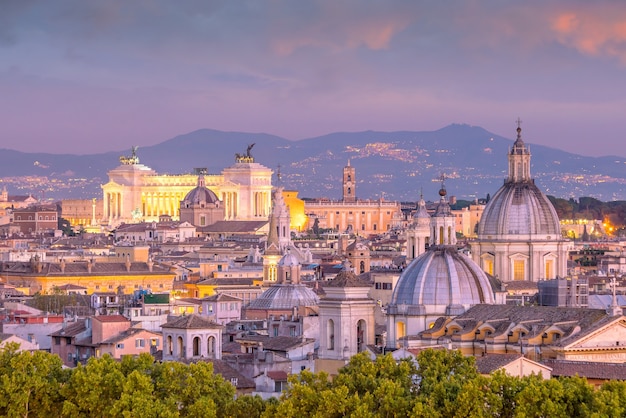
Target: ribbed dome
{"x":201,"y":194}
{"x":519,"y":208}
{"x":441,"y":278}
{"x":285,"y":296}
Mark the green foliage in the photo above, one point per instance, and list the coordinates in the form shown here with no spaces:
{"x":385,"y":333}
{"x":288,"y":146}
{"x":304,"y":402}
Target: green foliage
{"x":440,"y":384}
{"x":30,"y":383}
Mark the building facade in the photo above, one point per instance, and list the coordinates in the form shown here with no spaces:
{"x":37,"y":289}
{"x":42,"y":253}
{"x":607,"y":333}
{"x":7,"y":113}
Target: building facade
{"x":136,"y":192}
{"x":363,"y":217}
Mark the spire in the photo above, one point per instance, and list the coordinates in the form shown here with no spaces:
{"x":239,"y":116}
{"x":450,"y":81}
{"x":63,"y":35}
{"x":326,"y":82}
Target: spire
{"x":443,"y":208}
{"x":519,"y":158}
{"x":614,"y":309}
{"x":201,"y":171}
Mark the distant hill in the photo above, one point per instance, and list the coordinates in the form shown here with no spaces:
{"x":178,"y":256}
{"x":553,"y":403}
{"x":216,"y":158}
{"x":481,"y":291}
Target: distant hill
{"x":394,"y":165}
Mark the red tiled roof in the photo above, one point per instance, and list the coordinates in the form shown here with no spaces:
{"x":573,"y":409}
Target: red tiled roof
{"x":277,"y":375}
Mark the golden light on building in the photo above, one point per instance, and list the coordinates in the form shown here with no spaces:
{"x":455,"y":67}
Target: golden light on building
{"x":299,"y":219}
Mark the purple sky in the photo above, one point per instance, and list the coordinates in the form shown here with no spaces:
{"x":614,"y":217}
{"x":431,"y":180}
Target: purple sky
{"x":82,"y":76}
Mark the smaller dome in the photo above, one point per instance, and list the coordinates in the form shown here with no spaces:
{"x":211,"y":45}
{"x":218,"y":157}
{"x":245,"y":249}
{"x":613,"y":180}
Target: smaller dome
{"x":201,"y":194}
{"x":289,"y":260}
{"x":442,"y":277}
{"x":421,"y":212}
{"x":285,"y":296}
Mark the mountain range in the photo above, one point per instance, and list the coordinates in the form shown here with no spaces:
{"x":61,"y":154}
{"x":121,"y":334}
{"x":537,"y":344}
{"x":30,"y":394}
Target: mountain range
{"x":391,"y":165}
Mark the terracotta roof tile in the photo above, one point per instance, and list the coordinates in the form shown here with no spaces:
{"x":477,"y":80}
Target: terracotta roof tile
{"x":590,"y":370}
{"x":191,"y":321}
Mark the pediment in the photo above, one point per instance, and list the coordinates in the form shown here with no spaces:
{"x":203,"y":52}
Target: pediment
{"x":611,"y":335}
{"x":519,"y":256}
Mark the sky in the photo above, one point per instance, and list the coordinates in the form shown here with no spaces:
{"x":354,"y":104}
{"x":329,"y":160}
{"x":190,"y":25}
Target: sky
{"x":82,"y":77}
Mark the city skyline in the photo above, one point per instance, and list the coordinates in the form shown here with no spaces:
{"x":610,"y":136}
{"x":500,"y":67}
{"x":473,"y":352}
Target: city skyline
{"x":91,"y":77}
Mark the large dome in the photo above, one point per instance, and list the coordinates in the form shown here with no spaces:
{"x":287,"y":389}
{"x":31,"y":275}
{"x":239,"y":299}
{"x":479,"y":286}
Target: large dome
{"x":442,"y":281}
{"x":519,"y":208}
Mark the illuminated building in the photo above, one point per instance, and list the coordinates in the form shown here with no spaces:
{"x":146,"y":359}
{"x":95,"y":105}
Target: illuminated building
{"x":124,"y":277}
{"x":136,"y":192}
{"x":362,"y":217}
{"x":83,"y":212}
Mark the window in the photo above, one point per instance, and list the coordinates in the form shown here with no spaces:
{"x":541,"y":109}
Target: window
{"x":362,"y":227}
{"x":387,"y":286}
{"x":140,"y":343}
{"x":57,"y":340}
{"x":275,"y":330}
{"x":378,"y":285}
{"x":119,"y":346}
{"x":518,"y":270}
{"x":154,"y":342}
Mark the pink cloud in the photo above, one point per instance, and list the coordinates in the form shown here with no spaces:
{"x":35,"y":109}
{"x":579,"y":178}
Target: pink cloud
{"x":594,"y":32}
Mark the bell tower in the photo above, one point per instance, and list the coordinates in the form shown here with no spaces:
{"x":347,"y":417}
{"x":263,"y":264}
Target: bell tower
{"x":349,"y":184}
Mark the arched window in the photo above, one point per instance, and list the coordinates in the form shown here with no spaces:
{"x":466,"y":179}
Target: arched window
{"x":180,"y":347}
{"x":196,"y":346}
{"x":361,"y":334}
{"x":211,"y":346}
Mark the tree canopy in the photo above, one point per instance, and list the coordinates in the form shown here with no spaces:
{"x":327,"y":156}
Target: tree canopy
{"x":440,"y":383}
